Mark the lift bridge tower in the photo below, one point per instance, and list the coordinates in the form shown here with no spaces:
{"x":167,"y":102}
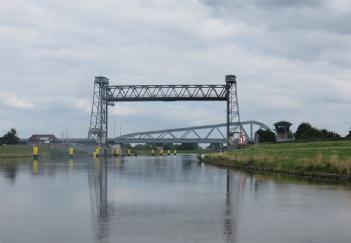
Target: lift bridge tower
{"x":234,"y":132}
{"x":99,"y":111}
{"x":105,"y":95}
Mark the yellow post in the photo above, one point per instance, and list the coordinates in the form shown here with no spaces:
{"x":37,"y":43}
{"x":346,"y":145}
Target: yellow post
{"x":175,"y":152}
{"x":129,"y":152}
{"x":168,"y":152}
{"x":161,"y":152}
{"x":71,"y":151}
{"x":97,"y":152}
{"x":152,"y":152}
{"x":35,"y":152}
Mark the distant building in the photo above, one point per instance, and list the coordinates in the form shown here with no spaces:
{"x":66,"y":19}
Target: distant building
{"x":42,"y":138}
{"x":283,"y":130}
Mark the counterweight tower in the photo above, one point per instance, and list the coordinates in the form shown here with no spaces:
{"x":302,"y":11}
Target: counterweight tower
{"x":99,"y":111}
{"x":233,"y":115}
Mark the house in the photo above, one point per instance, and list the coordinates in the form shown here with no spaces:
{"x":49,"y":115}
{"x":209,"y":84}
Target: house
{"x":42,"y":138}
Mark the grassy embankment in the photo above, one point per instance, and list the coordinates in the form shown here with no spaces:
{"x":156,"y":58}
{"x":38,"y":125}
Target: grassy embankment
{"x":16,"y":151}
{"x":26,"y":151}
{"x":327,"y":159}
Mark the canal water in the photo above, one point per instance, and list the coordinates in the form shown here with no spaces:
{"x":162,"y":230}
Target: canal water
{"x":164,"y":199}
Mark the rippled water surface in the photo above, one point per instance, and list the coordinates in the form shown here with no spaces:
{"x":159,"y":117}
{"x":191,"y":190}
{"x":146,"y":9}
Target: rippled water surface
{"x":164,"y":199}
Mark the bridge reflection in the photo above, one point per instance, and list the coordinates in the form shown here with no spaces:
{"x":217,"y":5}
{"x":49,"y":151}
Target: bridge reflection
{"x":103,"y":211}
{"x":97,"y":177}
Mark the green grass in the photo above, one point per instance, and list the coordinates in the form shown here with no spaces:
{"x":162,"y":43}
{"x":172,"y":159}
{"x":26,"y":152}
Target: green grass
{"x":325,"y":158}
{"x":15,"y":151}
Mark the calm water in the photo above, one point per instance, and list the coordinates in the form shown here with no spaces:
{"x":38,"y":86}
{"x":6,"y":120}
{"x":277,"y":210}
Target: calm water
{"x":169,"y":199}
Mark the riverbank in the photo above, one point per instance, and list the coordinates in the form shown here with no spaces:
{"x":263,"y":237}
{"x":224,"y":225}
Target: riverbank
{"x":326,"y":159}
{"x":26,"y":151}
{"x":16,"y":151}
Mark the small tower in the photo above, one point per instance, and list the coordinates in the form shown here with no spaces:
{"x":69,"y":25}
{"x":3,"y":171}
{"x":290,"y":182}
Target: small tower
{"x":283,"y":129}
{"x":99,"y":116}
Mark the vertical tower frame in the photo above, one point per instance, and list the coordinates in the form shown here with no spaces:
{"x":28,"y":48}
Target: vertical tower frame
{"x":98,"y":129}
{"x":233,"y":115}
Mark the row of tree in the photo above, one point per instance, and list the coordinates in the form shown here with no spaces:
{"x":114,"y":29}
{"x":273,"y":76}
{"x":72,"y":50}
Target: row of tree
{"x":305,"y":131}
{"x":10,"y":137}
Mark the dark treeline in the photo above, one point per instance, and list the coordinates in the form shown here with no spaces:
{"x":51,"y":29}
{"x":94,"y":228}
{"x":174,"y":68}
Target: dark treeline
{"x":304,"y":132}
{"x":349,"y":135}
{"x":10,"y":137}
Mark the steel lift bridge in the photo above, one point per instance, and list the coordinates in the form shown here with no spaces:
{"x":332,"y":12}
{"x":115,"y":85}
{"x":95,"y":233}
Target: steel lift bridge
{"x":106,"y":95}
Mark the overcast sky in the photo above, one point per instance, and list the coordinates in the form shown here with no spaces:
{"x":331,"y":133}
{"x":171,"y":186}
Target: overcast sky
{"x":292,"y":59}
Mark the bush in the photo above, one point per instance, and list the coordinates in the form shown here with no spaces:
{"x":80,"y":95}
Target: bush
{"x":265,"y":136}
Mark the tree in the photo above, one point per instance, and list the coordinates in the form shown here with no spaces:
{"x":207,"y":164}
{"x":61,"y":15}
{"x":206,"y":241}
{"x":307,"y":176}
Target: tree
{"x":306,"y":131}
{"x":10,"y":137}
{"x":187,"y":146}
{"x":215,"y":146}
{"x":348,"y":135}
{"x":265,"y":136}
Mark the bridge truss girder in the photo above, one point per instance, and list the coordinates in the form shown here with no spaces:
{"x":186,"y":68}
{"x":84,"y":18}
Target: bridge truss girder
{"x":125,"y":93}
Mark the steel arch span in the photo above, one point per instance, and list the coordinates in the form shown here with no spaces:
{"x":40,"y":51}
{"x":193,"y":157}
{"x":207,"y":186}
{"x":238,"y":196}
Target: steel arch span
{"x":197,"y":134}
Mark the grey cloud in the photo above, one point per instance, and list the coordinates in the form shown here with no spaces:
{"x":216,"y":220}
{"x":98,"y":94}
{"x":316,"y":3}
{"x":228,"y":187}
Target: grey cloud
{"x":286,"y":54}
{"x":307,"y":30}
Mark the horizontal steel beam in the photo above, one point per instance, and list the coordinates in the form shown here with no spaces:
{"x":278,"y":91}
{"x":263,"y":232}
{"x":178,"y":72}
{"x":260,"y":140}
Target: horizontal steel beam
{"x":127,"y":93}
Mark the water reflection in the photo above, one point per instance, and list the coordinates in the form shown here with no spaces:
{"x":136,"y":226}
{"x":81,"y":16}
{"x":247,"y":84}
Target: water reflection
{"x":71,"y":164}
{"x":10,"y":172}
{"x":231,"y":216}
{"x":98,"y":198}
{"x":35,"y":167}
{"x":173,"y":199}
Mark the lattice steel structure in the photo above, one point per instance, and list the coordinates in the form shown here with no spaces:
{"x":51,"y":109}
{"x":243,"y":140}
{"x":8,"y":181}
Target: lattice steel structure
{"x":167,"y":92}
{"x":233,"y":116}
{"x":99,"y":111}
{"x":105,"y":95}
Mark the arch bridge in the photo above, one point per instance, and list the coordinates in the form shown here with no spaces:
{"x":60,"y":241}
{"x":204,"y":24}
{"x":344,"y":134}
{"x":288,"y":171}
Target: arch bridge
{"x":196,"y":134}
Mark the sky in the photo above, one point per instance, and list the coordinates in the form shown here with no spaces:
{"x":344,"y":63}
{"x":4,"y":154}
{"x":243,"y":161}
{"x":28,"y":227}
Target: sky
{"x":292,"y":60}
